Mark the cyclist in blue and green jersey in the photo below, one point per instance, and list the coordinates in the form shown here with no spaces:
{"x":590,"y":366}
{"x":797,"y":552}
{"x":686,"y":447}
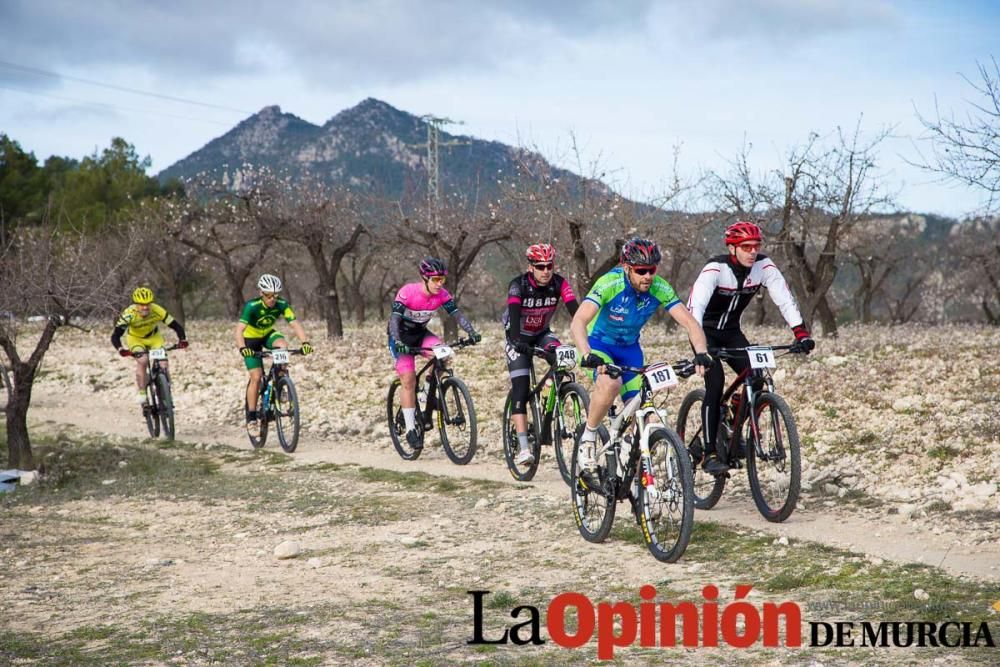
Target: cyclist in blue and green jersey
{"x":606,"y":330}
{"x":255,"y":331}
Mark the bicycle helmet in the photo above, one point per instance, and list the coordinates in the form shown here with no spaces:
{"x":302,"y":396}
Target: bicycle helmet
{"x":639,"y":252}
{"x":540,"y":252}
{"x":432,"y":266}
{"x":269,"y":283}
{"x":742,"y":231}
{"x":142,"y":295}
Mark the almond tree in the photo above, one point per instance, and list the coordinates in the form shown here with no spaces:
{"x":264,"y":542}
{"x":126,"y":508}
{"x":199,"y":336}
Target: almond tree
{"x":62,"y":276}
{"x":822,"y":192}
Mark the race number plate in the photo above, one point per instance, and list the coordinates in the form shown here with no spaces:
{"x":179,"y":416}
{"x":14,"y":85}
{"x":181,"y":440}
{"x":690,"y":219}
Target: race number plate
{"x":761,"y":357}
{"x":157,"y":353}
{"x":443,"y":352}
{"x":661,"y":376}
{"x":566,"y":356}
{"x":279,"y":356}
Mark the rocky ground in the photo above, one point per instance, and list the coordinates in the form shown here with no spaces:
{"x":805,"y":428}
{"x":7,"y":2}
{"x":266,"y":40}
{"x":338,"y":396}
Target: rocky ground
{"x":155,"y":554}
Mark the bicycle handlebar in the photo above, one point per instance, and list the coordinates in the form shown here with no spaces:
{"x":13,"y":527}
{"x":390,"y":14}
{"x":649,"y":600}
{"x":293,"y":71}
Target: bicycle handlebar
{"x":458,"y":344}
{"x":738,"y":352}
{"x":684,"y":369}
{"x":143,"y":353}
{"x":267,"y":353}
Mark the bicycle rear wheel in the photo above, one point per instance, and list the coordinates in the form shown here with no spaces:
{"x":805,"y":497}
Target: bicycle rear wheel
{"x":666,"y":509}
{"x":165,"y":407}
{"x":286,"y":413}
{"x":457,"y":421}
{"x":774,"y":463}
{"x":150,"y":411}
{"x":574,"y":402}
{"x":397,"y":423}
{"x":522,"y":472}
{"x":258,"y":434}
{"x":593,"y":496}
{"x":706,"y":489}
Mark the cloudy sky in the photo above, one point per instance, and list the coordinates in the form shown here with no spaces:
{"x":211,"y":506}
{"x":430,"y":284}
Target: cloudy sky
{"x":629,"y":79}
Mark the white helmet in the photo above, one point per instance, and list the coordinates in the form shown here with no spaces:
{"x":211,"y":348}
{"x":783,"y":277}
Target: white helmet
{"x":269,"y":283}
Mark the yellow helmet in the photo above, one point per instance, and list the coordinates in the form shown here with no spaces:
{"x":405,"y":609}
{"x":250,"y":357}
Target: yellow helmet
{"x":142,"y":295}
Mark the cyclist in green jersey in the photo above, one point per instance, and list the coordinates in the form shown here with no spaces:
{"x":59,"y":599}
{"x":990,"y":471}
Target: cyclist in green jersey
{"x":255,"y":331}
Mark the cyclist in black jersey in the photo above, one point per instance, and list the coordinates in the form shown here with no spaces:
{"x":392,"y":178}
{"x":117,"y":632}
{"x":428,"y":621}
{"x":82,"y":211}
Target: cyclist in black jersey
{"x":718,"y":298}
{"x":532,"y":300}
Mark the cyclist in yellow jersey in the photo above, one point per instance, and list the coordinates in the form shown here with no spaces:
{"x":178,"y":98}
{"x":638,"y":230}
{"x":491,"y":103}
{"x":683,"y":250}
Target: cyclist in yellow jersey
{"x":139,"y":323}
{"x":255,"y":331}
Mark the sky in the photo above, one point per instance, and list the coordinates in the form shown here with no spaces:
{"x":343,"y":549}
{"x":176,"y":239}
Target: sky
{"x":629,"y":81}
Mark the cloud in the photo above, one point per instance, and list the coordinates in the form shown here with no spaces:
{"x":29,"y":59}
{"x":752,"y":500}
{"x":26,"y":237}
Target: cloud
{"x":329,"y":43}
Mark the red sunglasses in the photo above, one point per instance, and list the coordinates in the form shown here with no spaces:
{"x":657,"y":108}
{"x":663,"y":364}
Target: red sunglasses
{"x":644,"y":270}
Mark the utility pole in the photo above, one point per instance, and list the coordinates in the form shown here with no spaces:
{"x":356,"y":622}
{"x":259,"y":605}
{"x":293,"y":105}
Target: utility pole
{"x":434,"y":124}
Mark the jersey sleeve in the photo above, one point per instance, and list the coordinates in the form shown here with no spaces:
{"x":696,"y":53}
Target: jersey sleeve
{"x":603,"y":290}
{"x":664,"y":293}
{"x":780,"y":293}
{"x":247,"y":312}
{"x":702,"y":290}
{"x":514,"y":291}
{"x":161,"y":314}
{"x":286,"y":311}
{"x":125,"y":318}
{"x":566,"y":291}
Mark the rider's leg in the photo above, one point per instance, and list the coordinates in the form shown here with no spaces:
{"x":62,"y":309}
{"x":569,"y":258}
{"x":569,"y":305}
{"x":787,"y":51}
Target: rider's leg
{"x":140,"y":378}
{"x":519,"y":368}
{"x":253,"y":386}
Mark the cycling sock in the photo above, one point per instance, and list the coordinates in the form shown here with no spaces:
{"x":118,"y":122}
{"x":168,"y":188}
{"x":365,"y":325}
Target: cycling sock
{"x":409,"y":416}
{"x":522,"y":440}
{"x":141,"y":397}
{"x":589,"y":434}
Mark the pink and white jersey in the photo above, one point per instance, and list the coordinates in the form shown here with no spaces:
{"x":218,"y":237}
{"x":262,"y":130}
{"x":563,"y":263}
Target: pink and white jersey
{"x":418,"y":307}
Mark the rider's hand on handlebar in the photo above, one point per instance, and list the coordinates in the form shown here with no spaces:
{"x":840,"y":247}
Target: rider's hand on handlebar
{"x":592,"y":361}
{"x":521,"y":347}
{"x":246,"y":352}
{"x":475,"y":336}
{"x":182,"y":344}
{"x":702,"y":362}
{"x":124,"y":352}
{"x":401,"y":347}
{"x":803,"y":345}
{"x":307,"y":348}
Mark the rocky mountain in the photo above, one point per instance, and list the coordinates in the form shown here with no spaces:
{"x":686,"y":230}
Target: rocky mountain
{"x":372,"y":145}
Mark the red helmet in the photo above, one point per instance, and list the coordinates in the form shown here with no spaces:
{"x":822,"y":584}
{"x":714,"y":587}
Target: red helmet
{"x":743,"y":231}
{"x":540,"y":252}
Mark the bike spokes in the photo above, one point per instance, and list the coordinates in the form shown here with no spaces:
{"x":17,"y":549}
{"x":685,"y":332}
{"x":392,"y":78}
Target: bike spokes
{"x":773,"y":463}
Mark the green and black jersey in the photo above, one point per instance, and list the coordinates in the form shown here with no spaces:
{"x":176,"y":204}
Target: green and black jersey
{"x":260,"y":319}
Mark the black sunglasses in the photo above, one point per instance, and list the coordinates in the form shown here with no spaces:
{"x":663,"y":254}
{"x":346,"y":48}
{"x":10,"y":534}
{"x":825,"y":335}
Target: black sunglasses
{"x":544,"y":267}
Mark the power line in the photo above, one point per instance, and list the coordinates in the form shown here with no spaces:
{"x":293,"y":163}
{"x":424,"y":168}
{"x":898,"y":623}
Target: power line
{"x":113,"y":107}
{"x":55,"y":75}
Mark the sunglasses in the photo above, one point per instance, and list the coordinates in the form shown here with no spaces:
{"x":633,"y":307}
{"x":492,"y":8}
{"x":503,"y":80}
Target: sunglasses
{"x":265,"y":295}
{"x":544,"y":266}
{"x":749,"y":247}
{"x":644,"y":270}
{"x":437,"y":280}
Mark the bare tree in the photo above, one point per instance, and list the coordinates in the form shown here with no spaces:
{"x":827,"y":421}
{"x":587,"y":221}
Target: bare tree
{"x":967,"y":150}
{"x":823,"y":192}
{"x":226,"y":221}
{"x":59,"y":276}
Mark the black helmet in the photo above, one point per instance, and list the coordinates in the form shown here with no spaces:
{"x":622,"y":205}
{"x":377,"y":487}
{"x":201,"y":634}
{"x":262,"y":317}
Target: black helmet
{"x":640,"y":252}
{"x":432,"y":266}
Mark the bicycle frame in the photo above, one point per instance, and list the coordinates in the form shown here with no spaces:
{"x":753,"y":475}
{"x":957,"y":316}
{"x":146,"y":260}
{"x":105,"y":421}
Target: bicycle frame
{"x":268,"y":379}
{"x":547,"y":408}
{"x":440,"y":371}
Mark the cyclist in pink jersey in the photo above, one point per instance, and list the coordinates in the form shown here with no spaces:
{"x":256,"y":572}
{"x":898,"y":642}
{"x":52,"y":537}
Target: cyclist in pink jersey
{"x":413,"y":308}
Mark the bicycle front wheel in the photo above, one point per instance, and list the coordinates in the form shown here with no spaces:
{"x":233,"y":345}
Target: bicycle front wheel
{"x":151,"y":411}
{"x":522,"y":472}
{"x":397,"y":423}
{"x":165,"y":406}
{"x":666,"y":508}
{"x":707,"y":489}
{"x":574,"y":402}
{"x":593,"y":495}
{"x":286,"y":413}
{"x":457,"y":421}
{"x":774,"y":463}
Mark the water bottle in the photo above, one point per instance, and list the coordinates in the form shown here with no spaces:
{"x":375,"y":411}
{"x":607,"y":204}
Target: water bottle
{"x":422,"y":394}
{"x":267,"y":396}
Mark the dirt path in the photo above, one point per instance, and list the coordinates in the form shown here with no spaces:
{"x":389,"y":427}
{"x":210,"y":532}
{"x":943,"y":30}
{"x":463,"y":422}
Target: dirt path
{"x":957,"y":548}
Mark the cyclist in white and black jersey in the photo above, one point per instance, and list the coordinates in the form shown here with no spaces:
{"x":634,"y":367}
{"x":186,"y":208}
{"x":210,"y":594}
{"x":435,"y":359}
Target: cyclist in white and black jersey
{"x":718,"y":298}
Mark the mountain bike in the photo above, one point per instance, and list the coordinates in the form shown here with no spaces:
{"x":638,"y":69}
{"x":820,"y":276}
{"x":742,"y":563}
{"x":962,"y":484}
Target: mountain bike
{"x":755,"y":425}
{"x":644,"y":461}
{"x":158,"y":411}
{"x":277,"y":401}
{"x":552,"y":420}
{"x":442,"y":393}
